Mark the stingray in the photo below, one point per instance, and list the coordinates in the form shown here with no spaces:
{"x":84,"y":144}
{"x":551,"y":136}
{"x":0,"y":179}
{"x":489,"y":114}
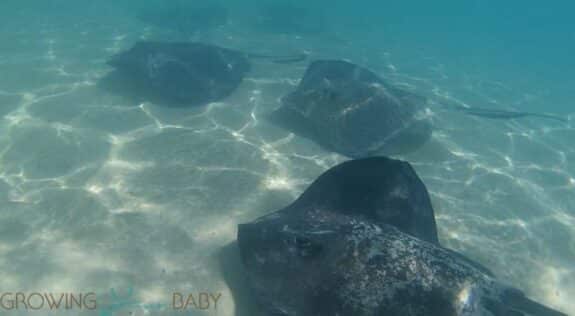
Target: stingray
{"x":185,"y":18}
{"x":349,"y":110}
{"x":180,"y":73}
{"x":361,"y":241}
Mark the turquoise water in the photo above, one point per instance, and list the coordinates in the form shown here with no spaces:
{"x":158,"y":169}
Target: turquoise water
{"x":97,"y":193}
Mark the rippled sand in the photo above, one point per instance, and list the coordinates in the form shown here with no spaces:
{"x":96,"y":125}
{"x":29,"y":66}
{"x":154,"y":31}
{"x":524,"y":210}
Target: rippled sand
{"x":97,"y":193}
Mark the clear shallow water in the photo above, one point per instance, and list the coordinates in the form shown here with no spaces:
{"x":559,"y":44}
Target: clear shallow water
{"x":98,"y":193}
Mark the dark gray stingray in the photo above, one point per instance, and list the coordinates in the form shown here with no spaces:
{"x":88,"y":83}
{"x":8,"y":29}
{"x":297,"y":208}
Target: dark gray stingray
{"x":186,"y":19}
{"x":179,"y":73}
{"x":378,"y":189}
{"x":360,"y":243}
{"x":350,"y":110}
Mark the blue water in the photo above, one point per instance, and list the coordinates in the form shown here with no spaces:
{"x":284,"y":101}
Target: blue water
{"x":97,"y":193}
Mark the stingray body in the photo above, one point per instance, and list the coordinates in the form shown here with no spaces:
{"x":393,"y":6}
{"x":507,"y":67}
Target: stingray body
{"x":176,"y":73}
{"x":350,"y":110}
{"x":363,"y":243}
{"x":179,"y":73}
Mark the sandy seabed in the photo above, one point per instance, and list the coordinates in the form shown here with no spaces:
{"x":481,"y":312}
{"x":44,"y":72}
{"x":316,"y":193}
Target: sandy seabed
{"x":97,"y":193}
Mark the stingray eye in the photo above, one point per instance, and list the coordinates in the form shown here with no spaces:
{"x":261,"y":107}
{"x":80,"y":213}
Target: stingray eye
{"x":306,"y":247}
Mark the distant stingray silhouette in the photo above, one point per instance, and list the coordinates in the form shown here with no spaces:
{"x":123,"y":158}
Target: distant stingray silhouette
{"x":180,"y":73}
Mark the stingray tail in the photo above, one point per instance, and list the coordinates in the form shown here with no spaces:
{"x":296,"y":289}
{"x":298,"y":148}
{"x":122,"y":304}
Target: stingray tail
{"x":550,"y":116}
{"x":493,"y":113}
{"x":506,"y":115}
{"x":279,"y":59}
{"x":514,"y":303}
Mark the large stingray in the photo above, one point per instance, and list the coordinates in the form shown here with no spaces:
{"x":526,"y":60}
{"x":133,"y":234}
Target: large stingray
{"x":361,"y":241}
{"x":179,"y":73}
{"x":350,"y":110}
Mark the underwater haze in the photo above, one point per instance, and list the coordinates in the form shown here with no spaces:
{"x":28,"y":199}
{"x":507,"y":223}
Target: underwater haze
{"x":98,"y":192}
